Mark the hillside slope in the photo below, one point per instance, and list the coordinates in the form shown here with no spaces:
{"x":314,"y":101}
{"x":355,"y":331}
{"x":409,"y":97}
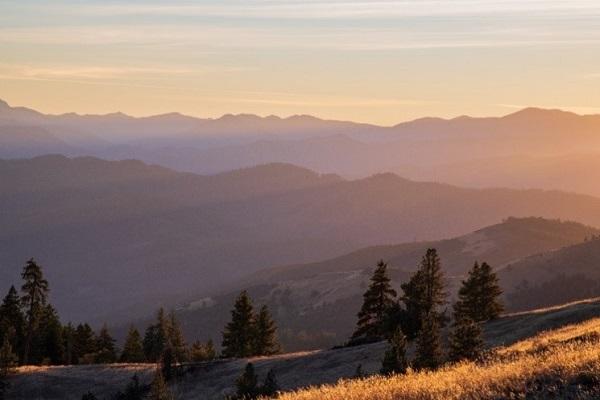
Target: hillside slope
{"x":316,"y":304}
{"x":215,"y":379}
{"x":98,"y":226}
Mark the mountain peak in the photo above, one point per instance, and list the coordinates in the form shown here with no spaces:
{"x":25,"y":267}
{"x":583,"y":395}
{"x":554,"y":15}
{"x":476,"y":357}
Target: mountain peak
{"x":4,"y":104}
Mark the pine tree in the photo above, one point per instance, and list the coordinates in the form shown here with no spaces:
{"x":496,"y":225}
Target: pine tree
{"x":106,"y":352}
{"x":490,"y":294}
{"x":156,"y":337}
{"x":239,"y":333}
{"x":466,"y":341}
{"x":479,"y":295}
{"x":35,"y":291}
{"x":378,"y":298}
{"x":8,"y":360}
{"x":84,"y":345}
{"x":176,"y":339}
{"x":48,"y":344}
{"x":247,"y":384}
{"x":424,"y":294}
{"x":133,"y":350}
{"x":270,"y":386}
{"x":266,"y":340}
{"x":394,"y":360}
{"x":429,"y":349}
{"x":134,"y":390}
{"x":158,"y":388}
{"x":69,"y":344}
{"x":12,"y":320}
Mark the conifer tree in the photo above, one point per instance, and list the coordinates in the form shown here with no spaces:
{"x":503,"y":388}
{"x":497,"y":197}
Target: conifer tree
{"x":69,"y":344}
{"x":424,"y":294}
{"x":48,"y":343}
{"x":133,"y":391}
{"x":429,"y":353}
{"x":479,"y":295}
{"x":394,"y":360}
{"x":158,"y":388}
{"x":466,"y":341}
{"x":266,"y":340}
{"x":247,"y":384}
{"x":239,"y":333}
{"x":176,"y":339}
{"x":8,"y":360}
{"x":378,"y":298}
{"x":133,"y":350}
{"x":12,"y":321}
{"x":84,"y":345}
{"x":156,"y":337}
{"x":106,"y":352}
{"x":35,"y":291}
{"x":270,"y":386}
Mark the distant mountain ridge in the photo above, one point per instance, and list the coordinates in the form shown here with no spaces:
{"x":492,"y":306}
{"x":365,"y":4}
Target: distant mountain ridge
{"x":531,"y":148}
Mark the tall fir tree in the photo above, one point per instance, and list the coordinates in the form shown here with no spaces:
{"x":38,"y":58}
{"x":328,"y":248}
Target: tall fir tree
{"x":8,"y":360}
{"x":133,"y":350}
{"x":424,"y":294}
{"x":12,"y":321}
{"x":35,"y":291}
{"x":156,"y":337}
{"x":48,"y":343}
{"x":239,"y":333}
{"x":84,"y":345}
{"x":394,"y":359}
{"x":266,"y":334}
{"x":479,"y":295}
{"x":176,"y":339}
{"x":429,"y":354}
{"x":378,"y":298}
{"x":247,"y":384}
{"x":106,"y":351}
{"x":69,"y":344}
{"x":466,"y":342}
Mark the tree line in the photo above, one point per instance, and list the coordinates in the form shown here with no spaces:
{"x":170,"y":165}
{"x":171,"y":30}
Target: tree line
{"x":419,"y":315}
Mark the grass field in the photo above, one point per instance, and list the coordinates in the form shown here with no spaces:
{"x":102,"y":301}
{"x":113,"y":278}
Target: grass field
{"x":559,"y":364}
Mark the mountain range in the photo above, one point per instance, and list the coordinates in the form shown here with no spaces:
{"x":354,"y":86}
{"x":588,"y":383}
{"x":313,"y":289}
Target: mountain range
{"x":531,"y":148}
{"x":149,"y":235}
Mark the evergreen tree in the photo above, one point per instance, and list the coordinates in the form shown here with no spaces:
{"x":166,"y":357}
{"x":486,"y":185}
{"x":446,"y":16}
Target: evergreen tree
{"x":158,"y":388}
{"x":429,"y":349}
{"x":106,"y":352}
{"x":156,"y":337}
{"x":176,"y":339}
{"x":48,"y":344}
{"x":133,"y":350}
{"x":490,"y":294}
{"x":8,"y":360}
{"x":35,"y":291}
{"x":84,"y":346}
{"x":247,"y":384}
{"x":466,"y":341}
{"x":134,"y":390}
{"x":394,"y":360}
{"x":266,"y":340}
{"x":239,"y":333}
{"x":12,"y":321}
{"x":270,"y":386}
{"x":378,"y":298}
{"x":200,"y":352}
{"x":69,"y":344}
{"x":424,"y":294}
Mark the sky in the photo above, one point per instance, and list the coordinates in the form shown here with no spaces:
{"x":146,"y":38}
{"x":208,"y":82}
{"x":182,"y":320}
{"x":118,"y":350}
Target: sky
{"x":370,"y":61}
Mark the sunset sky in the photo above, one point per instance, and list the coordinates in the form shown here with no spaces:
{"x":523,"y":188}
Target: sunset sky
{"x":373,"y":61}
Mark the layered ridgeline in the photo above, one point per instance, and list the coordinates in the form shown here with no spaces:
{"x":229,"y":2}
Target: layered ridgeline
{"x":315,"y":304}
{"x":149,"y":235}
{"x":548,"y":149}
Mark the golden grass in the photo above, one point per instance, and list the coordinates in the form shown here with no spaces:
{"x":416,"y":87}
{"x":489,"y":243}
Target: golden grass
{"x":563,"y":355}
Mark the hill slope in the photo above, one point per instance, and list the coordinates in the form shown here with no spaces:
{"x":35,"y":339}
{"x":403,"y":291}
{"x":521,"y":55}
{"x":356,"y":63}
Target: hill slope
{"x":98,"y":226}
{"x":215,"y":379}
{"x":316,"y":304}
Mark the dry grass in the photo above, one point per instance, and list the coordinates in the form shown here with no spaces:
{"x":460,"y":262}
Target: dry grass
{"x":564,"y":363}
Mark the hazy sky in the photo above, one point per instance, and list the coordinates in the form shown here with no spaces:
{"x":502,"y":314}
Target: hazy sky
{"x":373,"y":61}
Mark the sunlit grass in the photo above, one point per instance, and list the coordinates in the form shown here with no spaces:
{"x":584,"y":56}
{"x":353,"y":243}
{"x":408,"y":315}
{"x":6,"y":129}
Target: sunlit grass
{"x":550,"y":361}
